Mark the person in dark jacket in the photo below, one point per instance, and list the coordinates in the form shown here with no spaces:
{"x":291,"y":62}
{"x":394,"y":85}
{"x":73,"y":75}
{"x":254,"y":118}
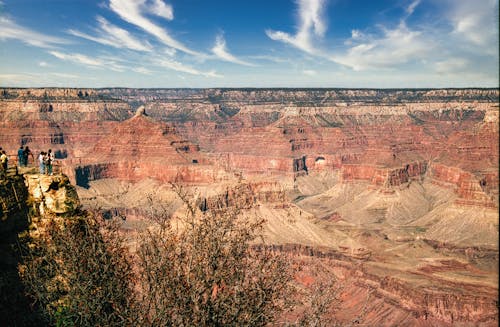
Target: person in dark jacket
{"x":27,"y":152}
{"x":20,"y":157}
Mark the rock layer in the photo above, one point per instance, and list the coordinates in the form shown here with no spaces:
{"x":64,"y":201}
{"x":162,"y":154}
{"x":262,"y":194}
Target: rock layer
{"x":398,"y":187}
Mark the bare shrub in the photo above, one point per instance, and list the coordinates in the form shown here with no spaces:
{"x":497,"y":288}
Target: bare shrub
{"x":204,"y":268}
{"x":204,"y":272}
{"x":78,"y":272}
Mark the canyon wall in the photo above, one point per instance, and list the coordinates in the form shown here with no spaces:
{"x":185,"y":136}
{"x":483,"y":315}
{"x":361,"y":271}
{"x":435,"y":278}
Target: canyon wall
{"x":398,"y":187}
{"x":385,"y":136}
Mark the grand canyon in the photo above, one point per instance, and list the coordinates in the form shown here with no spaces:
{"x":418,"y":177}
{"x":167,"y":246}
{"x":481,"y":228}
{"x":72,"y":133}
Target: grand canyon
{"x":393,"y":192}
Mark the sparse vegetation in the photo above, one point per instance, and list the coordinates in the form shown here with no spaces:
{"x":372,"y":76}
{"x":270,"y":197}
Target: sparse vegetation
{"x":202,"y":271}
{"x":78,"y":272}
{"x":199,"y":269}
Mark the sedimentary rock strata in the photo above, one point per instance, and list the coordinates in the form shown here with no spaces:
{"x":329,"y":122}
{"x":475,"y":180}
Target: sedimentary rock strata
{"x":403,"y":182}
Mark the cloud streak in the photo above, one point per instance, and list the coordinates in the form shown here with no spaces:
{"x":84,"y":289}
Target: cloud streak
{"x":394,"y":47}
{"x":109,"y":34}
{"x":221,"y":52}
{"x":132,"y":11}
{"x":81,"y":59}
{"x":180,"y":67}
{"x":311,"y":23}
{"x":10,"y":30}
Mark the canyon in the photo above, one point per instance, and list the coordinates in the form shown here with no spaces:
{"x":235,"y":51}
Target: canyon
{"x":394,"y":193}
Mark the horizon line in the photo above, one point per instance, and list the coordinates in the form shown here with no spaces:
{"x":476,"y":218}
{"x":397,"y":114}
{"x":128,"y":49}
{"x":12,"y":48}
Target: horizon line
{"x":256,"y":88}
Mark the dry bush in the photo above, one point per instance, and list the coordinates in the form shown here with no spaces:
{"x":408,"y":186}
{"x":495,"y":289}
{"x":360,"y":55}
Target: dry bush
{"x":321,"y":300}
{"x":204,"y":272}
{"x":78,"y":272}
{"x":200,"y":269}
{"x":316,"y":295}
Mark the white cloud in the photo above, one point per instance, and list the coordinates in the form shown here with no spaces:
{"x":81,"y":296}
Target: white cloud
{"x":387,"y":48}
{"x":451,"y":65}
{"x":132,"y":12}
{"x":142,"y":70}
{"x":311,"y":24}
{"x":394,"y":47}
{"x":356,"y":34}
{"x":476,"y":22}
{"x":221,"y":52}
{"x":43,"y":64}
{"x":180,"y":67}
{"x":161,"y":9}
{"x":15,"y":79}
{"x":64,"y":75}
{"x":411,"y":8}
{"x":78,"y":58}
{"x":169,"y":52}
{"x":36,"y":79}
{"x":114,"y":36}
{"x":309,"y":72}
{"x":275,"y":59}
{"x":391,"y":48}
{"x":10,"y":30}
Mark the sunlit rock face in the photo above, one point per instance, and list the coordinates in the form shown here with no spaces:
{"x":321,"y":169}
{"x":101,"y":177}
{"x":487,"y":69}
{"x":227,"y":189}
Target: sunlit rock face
{"x":396,"y":188}
{"x":52,"y":194}
{"x":387,"y":137}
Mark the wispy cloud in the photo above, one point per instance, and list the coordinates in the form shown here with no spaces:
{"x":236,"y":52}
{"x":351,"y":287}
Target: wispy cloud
{"x":180,"y":67}
{"x":476,"y":21}
{"x":451,"y":65}
{"x":142,"y":70}
{"x":411,"y":8}
{"x":78,"y":58}
{"x":311,"y":24}
{"x":64,"y":75}
{"x":43,"y":64}
{"x":10,"y":30}
{"x":23,"y":79}
{"x":15,"y":79}
{"x":386,"y":50}
{"x":394,"y":47}
{"x":271,"y":58}
{"x":161,"y":9}
{"x":114,"y":36}
{"x":309,"y":72}
{"x":221,"y":52}
{"x":133,"y":11}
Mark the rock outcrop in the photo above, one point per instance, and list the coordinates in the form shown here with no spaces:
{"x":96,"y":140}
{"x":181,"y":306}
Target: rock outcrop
{"x":52,"y":194}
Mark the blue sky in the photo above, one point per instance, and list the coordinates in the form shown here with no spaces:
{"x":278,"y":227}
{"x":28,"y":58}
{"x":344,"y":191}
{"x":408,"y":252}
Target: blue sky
{"x":273,"y":43}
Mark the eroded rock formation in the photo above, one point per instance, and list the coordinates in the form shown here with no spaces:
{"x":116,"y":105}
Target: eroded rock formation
{"x":402,"y":182}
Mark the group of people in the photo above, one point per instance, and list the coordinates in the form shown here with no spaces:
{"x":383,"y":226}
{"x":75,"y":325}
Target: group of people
{"x":23,"y":155}
{"x":45,"y":160}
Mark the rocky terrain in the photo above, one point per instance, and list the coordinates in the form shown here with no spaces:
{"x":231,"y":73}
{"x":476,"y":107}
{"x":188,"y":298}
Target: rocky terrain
{"x":394,"y":191}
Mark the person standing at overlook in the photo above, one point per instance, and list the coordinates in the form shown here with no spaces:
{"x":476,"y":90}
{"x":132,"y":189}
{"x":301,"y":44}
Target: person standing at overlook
{"x":2,"y":172}
{"x":4,"y":160}
{"x":41,"y":162}
{"x":20,"y":156}
{"x":27,"y":152}
{"x":49,"y":160}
